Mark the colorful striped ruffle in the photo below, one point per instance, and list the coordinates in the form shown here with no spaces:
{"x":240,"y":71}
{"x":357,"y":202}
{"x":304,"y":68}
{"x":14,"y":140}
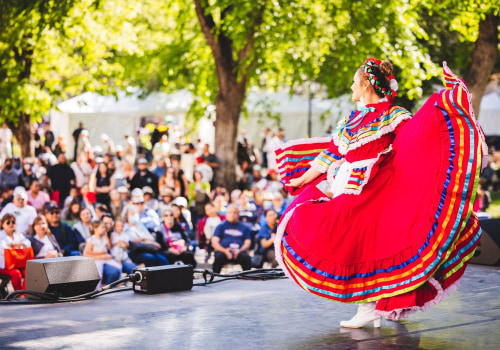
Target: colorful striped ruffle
{"x":444,"y":250}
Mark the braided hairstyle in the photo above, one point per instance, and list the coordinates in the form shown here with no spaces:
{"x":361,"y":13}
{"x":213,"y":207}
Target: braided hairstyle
{"x":379,"y":74}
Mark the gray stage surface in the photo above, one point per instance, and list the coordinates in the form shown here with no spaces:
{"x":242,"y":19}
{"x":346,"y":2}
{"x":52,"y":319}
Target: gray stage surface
{"x":239,"y":314}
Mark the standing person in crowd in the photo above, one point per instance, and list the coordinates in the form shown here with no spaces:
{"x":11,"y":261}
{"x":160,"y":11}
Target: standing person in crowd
{"x":68,"y":239}
{"x":266,"y":236}
{"x":211,"y":160}
{"x":36,"y":197}
{"x":49,"y":137}
{"x":61,"y":178}
{"x":205,"y":169}
{"x":169,"y":181}
{"x":44,"y":243}
{"x":130,"y":151}
{"x":103,"y":183}
{"x":86,"y":200}
{"x":108,"y":146}
{"x":60,"y":146}
{"x":11,"y":238}
{"x":198,"y":195}
{"x":8,"y":176}
{"x":231,"y":241}
{"x":24,"y":213}
{"x":82,"y":170}
{"x":143,"y":247}
{"x":161,"y":149}
{"x":144,"y":177}
{"x":76,"y":137}
{"x":5,"y":143}
{"x":179,"y":175}
{"x":27,"y":176}
{"x":97,"y":246}
{"x":173,"y":240}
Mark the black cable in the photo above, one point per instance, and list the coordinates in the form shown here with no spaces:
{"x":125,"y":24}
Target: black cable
{"x":55,"y":298}
{"x":257,"y":274}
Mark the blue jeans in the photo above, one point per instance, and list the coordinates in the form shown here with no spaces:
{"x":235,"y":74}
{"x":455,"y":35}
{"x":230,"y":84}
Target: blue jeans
{"x":110,"y":274}
{"x":150,"y":259}
{"x":127,"y":267}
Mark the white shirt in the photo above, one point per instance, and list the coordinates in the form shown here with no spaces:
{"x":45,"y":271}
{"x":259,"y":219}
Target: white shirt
{"x":6,"y":241}
{"x":24,"y":216}
{"x":47,"y":246}
{"x":210,"y":225}
{"x":5,"y":135}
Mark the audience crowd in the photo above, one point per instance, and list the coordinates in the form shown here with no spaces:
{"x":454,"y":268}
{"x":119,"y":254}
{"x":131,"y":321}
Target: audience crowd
{"x":131,"y":204}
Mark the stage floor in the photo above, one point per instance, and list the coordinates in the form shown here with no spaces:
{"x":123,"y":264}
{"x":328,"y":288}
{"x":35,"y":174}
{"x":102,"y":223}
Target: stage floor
{"x":274,"y":314}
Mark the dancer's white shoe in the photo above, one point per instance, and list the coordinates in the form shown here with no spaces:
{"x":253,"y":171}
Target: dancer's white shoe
{"x":365,"y":315}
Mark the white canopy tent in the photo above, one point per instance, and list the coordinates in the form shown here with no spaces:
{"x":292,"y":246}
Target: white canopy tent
{"x":489,"y":114}
{"x":119,"y":116}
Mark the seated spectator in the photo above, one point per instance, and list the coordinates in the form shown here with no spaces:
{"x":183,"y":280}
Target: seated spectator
{"x":8,"y":176}
{"x":11,"y":238}
{"x":85,"y":196}
{"x":248,"y":210}
{"x":169,"y":181}
{"x":71,"y":214}
{"x":24,"y":213}
{"x":207,"y":225}
{"x":182,"y":203}
{"x":231,"y":241}
{"x":181,"y":220}
{"x":123,"y":192}
{"x":97,"y":246}
{"x":27,"y":176}
{"x":43,"y":241}
{"x":68,"y":239}
{"x":73,"y":194}
{"x":36,"y":197}
{"x":84,"y":225}
{"x":173,"y":240}
{"x":220,"y":204}
{"x":148,"y":217}
{"x":167,"y":196}
{"x":120,"y":246}
{"x":147,"y":251}
{"x":101,"y":209}
{"x":266,"y":236}
{"x":150,"y":202}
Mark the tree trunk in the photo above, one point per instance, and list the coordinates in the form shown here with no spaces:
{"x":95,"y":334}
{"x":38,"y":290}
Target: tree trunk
{"x":22,"y":133}
{"x":228,"y":108}
{"x":483,"y":59}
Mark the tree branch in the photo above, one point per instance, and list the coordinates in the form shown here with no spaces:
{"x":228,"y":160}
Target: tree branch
{"x":207,"y":26}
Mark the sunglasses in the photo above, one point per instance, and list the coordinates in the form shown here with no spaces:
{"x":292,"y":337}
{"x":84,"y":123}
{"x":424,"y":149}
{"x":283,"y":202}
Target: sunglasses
{"x":55,"y":212}
{"x":167,"y":215}
{"x":9,"y":222}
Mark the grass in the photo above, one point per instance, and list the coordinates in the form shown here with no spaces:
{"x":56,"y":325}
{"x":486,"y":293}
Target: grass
{"x":494,"y":208}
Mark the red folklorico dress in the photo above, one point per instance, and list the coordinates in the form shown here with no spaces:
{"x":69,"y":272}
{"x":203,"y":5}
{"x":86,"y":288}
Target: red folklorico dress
{"x":400,"y":228}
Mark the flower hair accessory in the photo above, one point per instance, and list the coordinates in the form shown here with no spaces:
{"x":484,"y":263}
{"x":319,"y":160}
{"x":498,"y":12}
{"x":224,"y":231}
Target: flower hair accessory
{"x":391,"y":92}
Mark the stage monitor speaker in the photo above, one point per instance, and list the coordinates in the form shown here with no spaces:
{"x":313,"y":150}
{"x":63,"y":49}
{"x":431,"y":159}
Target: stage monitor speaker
{"x":68,"y":276}
{"x":488,"y":250}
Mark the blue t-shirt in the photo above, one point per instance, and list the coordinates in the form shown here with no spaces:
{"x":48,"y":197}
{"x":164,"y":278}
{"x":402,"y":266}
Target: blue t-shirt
{"x":232,"y":233}
{"x":265,"y":232}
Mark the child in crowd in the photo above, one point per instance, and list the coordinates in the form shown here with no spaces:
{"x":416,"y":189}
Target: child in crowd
{"x":119,"y":247}
{"x":97,"y":247}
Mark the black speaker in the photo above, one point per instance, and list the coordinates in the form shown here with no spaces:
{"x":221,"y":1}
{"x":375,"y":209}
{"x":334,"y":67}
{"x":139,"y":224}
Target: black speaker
{"x":488,"y":250}
{"x":164,"y":279}
{"x":68,"y":276}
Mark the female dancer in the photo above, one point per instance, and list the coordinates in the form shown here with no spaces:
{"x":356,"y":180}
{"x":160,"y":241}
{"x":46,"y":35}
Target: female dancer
{"x":383,"y":216}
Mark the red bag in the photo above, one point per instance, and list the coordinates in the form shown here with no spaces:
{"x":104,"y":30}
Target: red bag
{"x":17,"y":257}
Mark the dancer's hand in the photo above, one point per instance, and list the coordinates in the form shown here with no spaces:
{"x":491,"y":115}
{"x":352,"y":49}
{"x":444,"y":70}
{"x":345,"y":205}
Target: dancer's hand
{"x":298,"y":182}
